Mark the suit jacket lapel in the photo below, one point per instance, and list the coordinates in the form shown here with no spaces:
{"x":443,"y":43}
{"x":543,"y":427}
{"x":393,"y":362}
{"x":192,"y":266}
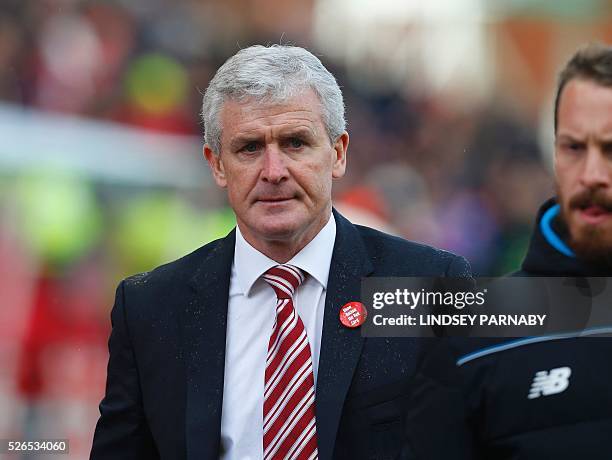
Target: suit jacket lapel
{"x":340,"y":346}
{"x":205,"y":325}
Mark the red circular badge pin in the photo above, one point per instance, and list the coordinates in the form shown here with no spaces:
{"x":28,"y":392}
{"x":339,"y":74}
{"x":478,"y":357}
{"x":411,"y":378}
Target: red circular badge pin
{"x":353,"y":314}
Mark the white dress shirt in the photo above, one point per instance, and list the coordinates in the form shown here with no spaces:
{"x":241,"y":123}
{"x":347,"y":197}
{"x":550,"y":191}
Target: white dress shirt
{"x":250,"y":318}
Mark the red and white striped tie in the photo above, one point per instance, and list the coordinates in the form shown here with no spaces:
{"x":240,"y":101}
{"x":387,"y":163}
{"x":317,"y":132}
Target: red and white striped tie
{"x":289,"y":424}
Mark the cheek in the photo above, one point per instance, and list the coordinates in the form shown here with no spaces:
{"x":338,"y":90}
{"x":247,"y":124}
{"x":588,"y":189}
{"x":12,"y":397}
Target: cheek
{"x":568,"y":171}
{"x":316,"y":180}
{"x":237,"y":193}
{"x":240,"y":181}
{"x":565,"y":178}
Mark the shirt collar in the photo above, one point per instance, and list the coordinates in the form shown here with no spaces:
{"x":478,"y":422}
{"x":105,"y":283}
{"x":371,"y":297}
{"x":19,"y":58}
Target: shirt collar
{"x":314,"y":258}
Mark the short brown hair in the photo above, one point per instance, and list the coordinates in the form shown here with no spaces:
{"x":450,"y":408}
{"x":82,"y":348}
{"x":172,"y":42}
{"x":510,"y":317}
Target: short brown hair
{"x":593,"y":62}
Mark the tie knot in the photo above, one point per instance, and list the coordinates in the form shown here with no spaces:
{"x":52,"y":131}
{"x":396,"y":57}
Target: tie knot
{"x":284,"y":279}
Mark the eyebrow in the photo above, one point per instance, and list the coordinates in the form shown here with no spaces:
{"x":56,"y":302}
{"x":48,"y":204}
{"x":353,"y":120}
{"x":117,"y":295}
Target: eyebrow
{"x":607,"y":139}
{"x":569,"y":137}
{"x":300,"y":131}
{"x":241,"y":141}
{"x":285,"y":133}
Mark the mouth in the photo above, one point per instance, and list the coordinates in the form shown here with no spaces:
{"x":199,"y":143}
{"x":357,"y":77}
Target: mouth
{"x":593,"y":214}
{"x":275,"y":200}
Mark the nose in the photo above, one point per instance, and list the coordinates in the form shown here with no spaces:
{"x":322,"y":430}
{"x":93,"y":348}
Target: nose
{"x":596,"y":171}
{"x":274,"y":169}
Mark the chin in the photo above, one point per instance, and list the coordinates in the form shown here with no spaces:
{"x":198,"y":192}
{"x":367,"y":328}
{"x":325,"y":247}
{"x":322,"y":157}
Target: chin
{"x":280,"y":231}
{"x":275,"y":226}
{"x":277,"y":222}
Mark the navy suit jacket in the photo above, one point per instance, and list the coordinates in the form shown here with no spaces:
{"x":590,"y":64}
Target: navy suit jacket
{"x":167,"y":354}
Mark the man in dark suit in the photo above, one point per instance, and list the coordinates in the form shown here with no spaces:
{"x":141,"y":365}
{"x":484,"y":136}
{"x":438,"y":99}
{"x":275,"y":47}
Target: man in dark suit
{"x":202,"y":365}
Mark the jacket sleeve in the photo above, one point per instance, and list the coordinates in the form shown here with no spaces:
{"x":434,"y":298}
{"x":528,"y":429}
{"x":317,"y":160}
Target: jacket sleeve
{"x":438,"y":422}
{"x":122,"y":431}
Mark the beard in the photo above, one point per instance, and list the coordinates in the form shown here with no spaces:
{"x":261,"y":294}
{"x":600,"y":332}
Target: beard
{"x":591,"y":243}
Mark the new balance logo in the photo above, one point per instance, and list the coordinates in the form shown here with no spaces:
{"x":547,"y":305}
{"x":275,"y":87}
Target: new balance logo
{"x":551,"y":382}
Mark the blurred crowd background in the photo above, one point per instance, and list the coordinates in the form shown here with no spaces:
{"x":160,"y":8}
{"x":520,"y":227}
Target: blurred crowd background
{"x":449,"y":106}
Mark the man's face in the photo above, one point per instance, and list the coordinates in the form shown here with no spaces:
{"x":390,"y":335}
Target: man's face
{"x":583,"y":164}
{"x":278,"y":163}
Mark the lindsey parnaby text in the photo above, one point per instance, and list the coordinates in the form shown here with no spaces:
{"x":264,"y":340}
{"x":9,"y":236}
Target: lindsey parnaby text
{"x":460,"y":320}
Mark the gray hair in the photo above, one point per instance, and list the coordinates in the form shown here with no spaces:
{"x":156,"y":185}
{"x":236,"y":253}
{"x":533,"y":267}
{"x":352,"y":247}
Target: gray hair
{"x":271,"y":73}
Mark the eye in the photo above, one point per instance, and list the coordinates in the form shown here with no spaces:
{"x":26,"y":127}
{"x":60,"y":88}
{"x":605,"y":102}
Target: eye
{"x":296,"y":143}
{"x":250,"y":147}
{"x":573,"y":147}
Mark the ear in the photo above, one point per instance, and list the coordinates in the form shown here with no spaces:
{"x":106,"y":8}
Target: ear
{"x":216,"y":166}
{"x":340,"y":148}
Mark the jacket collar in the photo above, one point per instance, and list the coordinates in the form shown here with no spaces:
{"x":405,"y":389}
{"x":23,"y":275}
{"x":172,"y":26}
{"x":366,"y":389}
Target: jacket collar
{"x":340,"y":346}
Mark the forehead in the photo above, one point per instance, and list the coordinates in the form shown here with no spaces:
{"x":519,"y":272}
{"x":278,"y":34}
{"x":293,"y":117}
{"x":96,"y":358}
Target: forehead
{"x":302,"y":110}
{"x":585,"y":108}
